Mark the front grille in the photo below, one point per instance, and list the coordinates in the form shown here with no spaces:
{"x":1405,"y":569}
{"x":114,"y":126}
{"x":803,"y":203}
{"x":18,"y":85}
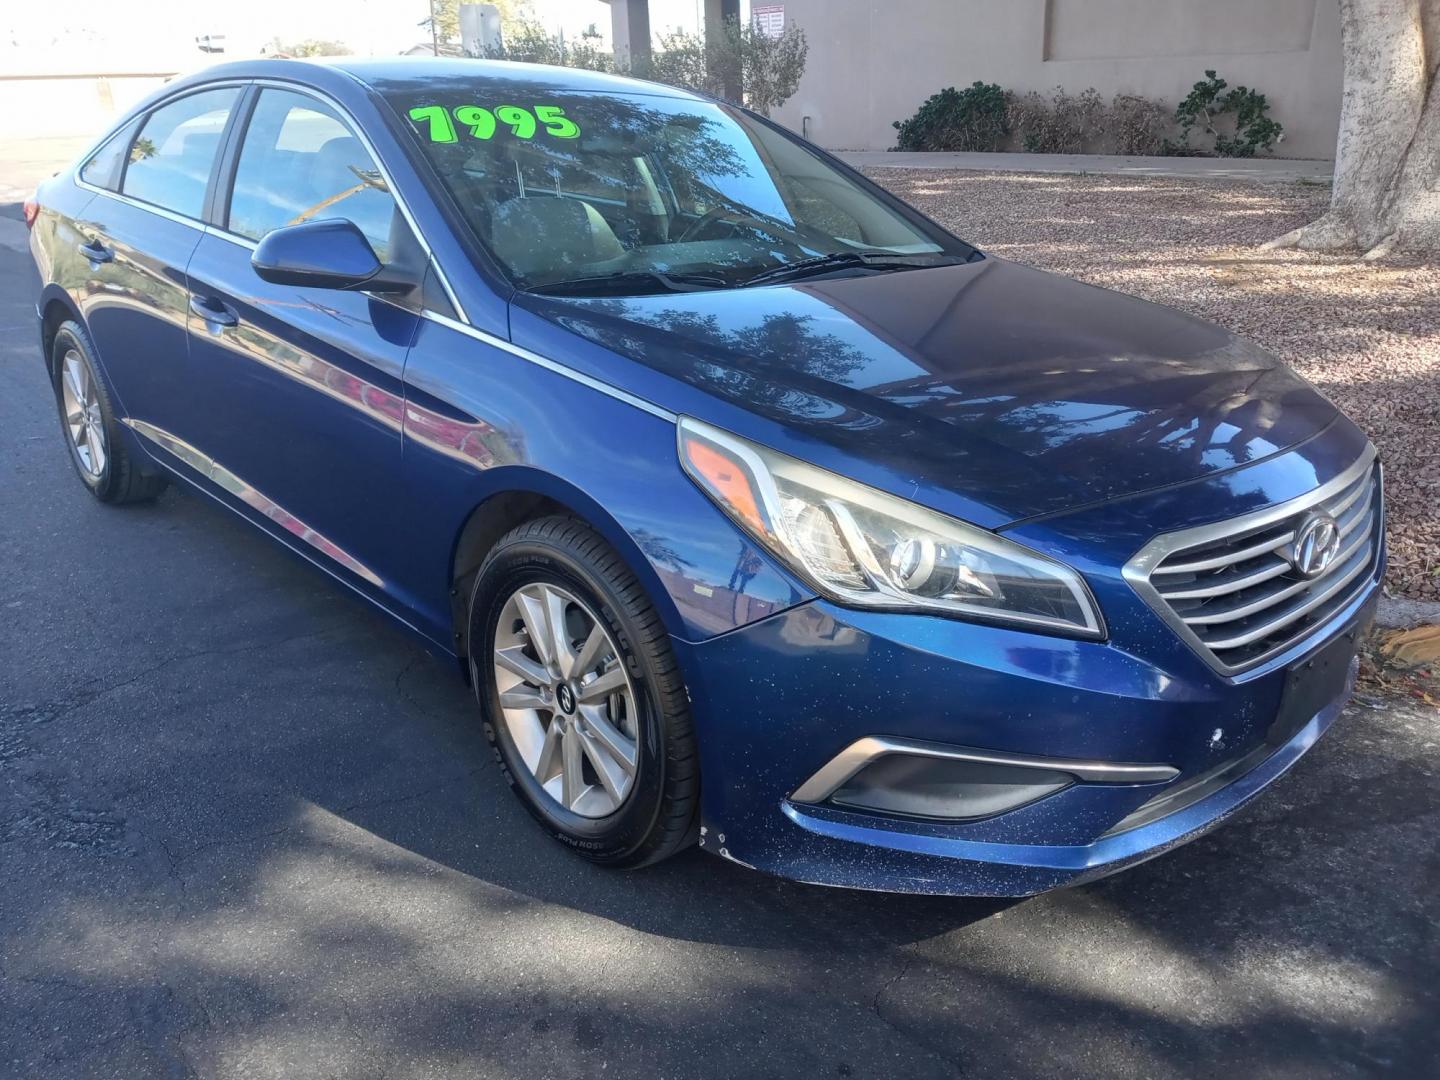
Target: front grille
{"x":1231,"y":589}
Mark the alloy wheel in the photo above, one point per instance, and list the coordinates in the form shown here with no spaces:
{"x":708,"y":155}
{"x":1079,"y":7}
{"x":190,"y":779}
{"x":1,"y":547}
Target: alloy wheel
{"x":567,"y":700}
{"x":83,"y":419}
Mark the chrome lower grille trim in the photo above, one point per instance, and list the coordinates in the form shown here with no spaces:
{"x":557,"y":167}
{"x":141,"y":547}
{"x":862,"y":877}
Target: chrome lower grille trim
{"x":1230,"y":589}
{"x":862,"y":752}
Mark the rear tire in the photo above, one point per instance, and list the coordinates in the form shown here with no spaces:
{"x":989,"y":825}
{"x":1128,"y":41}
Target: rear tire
{"x":87,"y":420}
{"x":605,"y":811}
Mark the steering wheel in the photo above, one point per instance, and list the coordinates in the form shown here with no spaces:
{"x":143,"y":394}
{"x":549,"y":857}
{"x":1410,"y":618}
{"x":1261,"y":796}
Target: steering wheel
{"x":734,"y":217}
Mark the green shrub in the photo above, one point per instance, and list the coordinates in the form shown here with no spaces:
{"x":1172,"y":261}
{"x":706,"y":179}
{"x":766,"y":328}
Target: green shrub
{"x":975,"y":118}
{"x":1062,"y":124}
{"x":985,"y":117}
{"x":1137,"y":125}
{"x":1248,"y":129}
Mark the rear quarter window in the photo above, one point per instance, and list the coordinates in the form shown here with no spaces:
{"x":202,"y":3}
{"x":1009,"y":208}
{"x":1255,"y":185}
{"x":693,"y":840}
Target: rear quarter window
{"x":102,"y":168}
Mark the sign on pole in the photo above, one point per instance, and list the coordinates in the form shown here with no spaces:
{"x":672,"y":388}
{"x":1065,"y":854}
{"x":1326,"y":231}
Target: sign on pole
{"x":770,"y":18}
{"x":480,"y":33}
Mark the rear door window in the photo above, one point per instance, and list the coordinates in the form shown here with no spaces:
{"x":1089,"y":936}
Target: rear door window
{"x":171,"y":158}
{"x":301,"y":162}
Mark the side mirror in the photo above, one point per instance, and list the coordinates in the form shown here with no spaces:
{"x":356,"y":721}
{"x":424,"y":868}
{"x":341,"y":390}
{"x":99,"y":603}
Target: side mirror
{"x":331,"y":254}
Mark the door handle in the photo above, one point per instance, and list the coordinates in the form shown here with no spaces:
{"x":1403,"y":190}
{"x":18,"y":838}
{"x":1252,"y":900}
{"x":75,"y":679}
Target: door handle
{"x":96,"y":252}
{"x":213,"y":312}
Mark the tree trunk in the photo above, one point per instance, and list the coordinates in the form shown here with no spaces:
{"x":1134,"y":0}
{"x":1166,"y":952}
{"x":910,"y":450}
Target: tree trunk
{"x":1387,"y":160}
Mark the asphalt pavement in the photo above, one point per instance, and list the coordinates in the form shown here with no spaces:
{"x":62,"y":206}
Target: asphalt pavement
{"x":248,"y":829}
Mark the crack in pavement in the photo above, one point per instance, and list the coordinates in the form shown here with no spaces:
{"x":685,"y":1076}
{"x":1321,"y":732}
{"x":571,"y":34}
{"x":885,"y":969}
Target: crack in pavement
{"x":888,"y":985}
{"x":912,"y":1038}
{"x":405,"y":669}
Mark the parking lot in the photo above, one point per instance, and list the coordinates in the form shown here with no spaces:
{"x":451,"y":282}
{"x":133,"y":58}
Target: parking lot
{"x":248,"y":829}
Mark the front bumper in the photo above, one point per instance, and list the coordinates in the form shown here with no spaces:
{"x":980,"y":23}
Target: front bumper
{"x":940,"y":865}
{"x":776,"y":700}
{"x":779,"y":699}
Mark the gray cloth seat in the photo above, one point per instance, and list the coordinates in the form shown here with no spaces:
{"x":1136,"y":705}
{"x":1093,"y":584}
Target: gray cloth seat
{"x":534,"y":233}
{"x":337,"y":168}
{"x":331,"y":169}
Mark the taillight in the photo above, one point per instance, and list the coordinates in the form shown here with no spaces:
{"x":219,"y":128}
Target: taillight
{"x":32,"y":211}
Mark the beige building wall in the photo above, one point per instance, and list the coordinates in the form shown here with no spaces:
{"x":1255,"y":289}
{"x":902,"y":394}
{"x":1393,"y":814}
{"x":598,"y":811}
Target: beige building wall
{"x":872,"y":63}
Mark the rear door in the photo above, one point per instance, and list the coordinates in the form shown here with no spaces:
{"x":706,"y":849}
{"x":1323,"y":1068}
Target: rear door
{"x":136,"y":238}
{"x":303,"y":420}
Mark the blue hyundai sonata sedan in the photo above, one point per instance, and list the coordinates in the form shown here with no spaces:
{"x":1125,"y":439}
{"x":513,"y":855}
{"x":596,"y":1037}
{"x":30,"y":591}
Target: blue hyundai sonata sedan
{"x":759,"y":511}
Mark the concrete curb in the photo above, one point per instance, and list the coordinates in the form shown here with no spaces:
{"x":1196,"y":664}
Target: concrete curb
{"x":1398,"y":613}
{"x":1260,"y":170}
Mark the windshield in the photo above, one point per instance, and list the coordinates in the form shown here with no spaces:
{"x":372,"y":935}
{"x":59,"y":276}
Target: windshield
{"x":603,"y":192}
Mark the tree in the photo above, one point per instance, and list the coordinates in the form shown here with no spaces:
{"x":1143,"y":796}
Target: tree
{"x":514,"y":12}
{"x":310,"y":47}
{"x":443,"y":21}
{"x":769,"y":67}
{"x":529,"y":42}
{"x":680,"y":60}
{"x":1387,"y":161}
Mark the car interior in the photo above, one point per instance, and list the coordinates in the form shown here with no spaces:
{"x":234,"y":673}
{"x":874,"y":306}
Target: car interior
{"x":301,"y":164}
{"x":604,"y":204}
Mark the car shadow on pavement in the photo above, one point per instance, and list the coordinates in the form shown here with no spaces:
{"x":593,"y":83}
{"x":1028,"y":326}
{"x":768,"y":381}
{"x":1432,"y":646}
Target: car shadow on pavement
{"x":478,"y":828}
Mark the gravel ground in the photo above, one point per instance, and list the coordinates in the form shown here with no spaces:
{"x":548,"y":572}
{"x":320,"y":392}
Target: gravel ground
{"x":1368,"y":334}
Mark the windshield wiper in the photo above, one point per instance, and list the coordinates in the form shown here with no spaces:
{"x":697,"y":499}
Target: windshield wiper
{"x":841,"y":260}
{"x":626,"y":281}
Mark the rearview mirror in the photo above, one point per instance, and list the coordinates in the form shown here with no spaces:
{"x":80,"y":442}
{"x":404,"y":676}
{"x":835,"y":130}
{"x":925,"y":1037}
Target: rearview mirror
{"x":331,"y":254}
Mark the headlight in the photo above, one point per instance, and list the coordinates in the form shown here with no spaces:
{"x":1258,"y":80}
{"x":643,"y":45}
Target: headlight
{"x":862,"y":547}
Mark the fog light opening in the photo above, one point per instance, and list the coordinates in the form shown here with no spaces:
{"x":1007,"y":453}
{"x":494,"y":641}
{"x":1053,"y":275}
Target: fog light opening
{"x":948,"y":789}
{"x":913,"y":778}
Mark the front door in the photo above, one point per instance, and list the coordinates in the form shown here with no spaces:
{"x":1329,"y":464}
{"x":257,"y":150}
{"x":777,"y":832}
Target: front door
{"x":304,"y":394}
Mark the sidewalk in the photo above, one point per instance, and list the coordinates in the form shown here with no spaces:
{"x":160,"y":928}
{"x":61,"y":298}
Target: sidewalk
{"x":1276,"y":170}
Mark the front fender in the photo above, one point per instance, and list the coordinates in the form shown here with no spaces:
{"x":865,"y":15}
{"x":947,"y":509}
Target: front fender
{"x":687,"y":602}
{"x":481,"y":421}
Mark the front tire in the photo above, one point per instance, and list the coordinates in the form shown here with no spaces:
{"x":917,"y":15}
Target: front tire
{"x":87,"y":419}
{"x":581,"y":696}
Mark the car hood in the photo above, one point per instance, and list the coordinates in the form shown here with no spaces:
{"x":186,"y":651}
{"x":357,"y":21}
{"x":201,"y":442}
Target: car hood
{"x":1017,"y":389}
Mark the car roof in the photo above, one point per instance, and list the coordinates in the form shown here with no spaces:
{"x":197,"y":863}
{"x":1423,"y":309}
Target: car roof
{"x":422,"y":69}
{"x":397,"y":74}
